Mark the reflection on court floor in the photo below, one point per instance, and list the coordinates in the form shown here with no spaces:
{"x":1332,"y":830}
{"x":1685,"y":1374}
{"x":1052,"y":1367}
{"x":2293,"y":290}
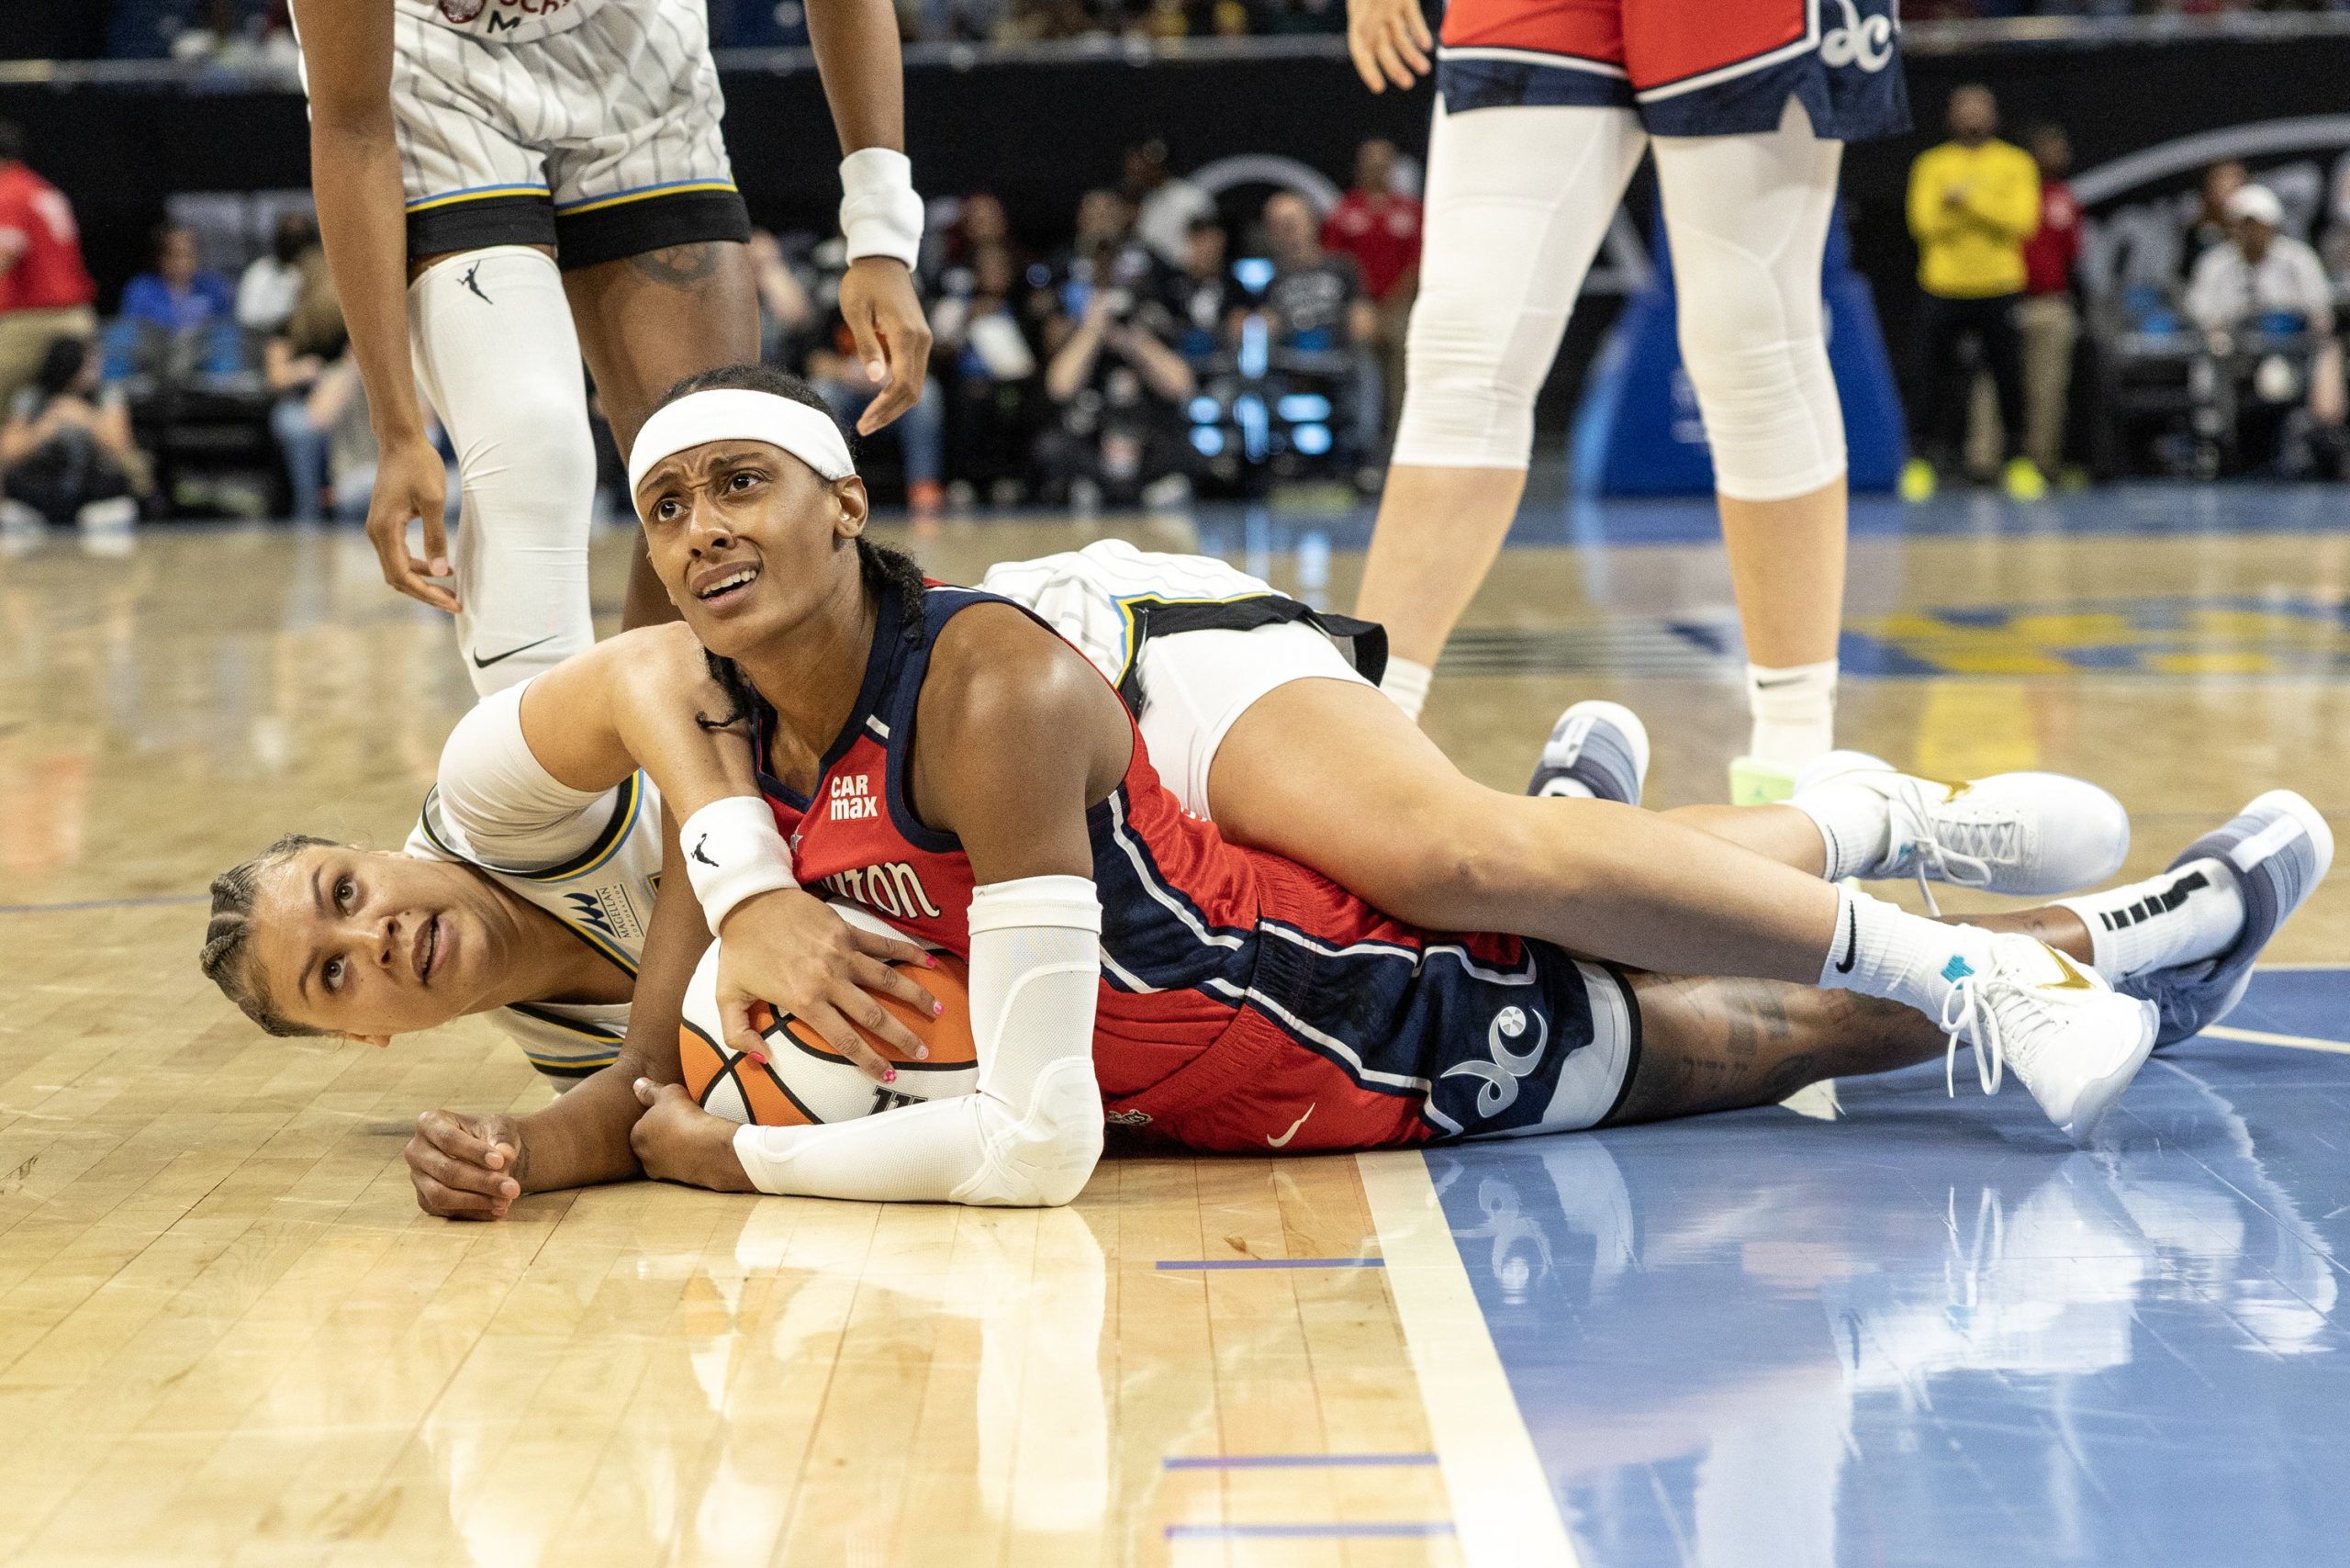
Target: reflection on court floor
{"x":1911,"y":1336}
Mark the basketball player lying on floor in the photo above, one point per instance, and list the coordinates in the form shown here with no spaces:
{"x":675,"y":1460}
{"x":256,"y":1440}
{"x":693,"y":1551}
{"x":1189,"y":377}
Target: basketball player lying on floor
{"x":1393,"y":1010}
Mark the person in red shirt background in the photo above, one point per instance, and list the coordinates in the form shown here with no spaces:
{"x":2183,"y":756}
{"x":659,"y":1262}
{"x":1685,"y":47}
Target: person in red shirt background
{"x":45,"y":291}
{"x":2045,"y":317}
{"x":1378,"y":226}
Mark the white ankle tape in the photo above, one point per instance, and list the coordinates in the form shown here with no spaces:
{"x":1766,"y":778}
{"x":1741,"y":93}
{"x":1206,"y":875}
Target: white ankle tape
{"x":732,"y":853}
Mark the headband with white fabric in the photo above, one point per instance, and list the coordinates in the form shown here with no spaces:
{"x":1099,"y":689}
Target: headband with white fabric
{"x":734,"y":413}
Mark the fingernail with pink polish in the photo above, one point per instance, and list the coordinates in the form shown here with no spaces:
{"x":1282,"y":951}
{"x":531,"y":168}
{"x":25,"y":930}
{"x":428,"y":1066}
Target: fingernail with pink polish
{"x":921,"y":1053}
{"x":889,"y":1075}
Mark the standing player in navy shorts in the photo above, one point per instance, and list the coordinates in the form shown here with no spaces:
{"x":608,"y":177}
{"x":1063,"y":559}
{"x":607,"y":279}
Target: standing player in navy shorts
{"x":1543,"y":109}
{"x":505,"y":186}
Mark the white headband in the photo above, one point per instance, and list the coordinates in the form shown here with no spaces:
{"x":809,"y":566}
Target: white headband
{"x":729,"y":413}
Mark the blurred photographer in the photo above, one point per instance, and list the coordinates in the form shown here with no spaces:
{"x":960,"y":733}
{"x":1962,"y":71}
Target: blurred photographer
{"x":2272,"y":383}
{"x":1117,"y":392}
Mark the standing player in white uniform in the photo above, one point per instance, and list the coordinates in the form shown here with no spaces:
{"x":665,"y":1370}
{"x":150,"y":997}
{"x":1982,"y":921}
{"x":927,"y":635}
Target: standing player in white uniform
{"x":1543,"y":109}
{"x":505,"y":186}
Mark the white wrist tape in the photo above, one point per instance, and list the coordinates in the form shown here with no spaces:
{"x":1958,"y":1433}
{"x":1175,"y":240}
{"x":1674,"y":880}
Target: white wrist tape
{"x":880,"y":212}
{"x":733,"y":853}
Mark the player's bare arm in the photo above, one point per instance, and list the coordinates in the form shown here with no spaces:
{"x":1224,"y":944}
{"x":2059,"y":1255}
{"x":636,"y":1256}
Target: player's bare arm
{"x":475,"y":1166}
{"x":856,"y":53}
{"x":1019,"y":736}
{"x":355,"y":175}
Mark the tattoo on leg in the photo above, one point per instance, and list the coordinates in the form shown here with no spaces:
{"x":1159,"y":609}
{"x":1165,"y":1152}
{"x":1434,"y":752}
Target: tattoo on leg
{"x":678,"y":266}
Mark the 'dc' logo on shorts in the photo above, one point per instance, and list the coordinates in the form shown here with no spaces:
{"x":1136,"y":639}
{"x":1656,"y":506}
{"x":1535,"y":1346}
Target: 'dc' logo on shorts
{"x":1866,"y":42}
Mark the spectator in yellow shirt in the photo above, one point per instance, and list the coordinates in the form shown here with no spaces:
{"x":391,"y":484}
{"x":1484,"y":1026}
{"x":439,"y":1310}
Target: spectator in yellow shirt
{"x":1972,"y":203}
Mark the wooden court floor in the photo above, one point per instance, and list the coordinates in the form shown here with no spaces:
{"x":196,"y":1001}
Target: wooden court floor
{"x":227,"y":1337}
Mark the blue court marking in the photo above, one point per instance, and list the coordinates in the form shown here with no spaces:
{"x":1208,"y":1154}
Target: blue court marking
{"x":1306,"y":1532}
{"x":2149,"y":509}
{"x":146,"y":903}
{"x":1295,"y":1460}
{"x":1932,"y":1332}
{"x":1190,"y":1263}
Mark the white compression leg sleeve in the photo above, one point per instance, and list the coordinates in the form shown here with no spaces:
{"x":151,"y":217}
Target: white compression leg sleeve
{"x":495,"y":347}
{"x":1747,"y":216}
{"x":1518,"y":200}
{"x":1032,"y":1133}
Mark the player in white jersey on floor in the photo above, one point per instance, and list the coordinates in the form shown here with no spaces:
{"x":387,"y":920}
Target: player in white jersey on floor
{"x":507,"y":185}
{"x":1544,"y":108}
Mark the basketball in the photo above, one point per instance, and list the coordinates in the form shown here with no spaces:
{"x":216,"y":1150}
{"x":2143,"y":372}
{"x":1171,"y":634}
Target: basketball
{"x":804,"y":1079}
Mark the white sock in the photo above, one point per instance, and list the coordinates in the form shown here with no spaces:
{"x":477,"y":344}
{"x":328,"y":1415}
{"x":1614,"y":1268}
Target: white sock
{"x":1855,"y":827}
{"x":2176,"y":918}
{"x":1406,"y":685}
{"x":1883,"y":950}
{"x":1794,"y":712}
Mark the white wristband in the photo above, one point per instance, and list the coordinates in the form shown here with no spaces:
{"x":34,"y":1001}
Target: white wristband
{"x":880,"y":213}
{"x":732,"y":853}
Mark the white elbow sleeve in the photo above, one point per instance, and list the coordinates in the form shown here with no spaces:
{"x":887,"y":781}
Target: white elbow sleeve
{"x":491,"y":785}
{"x":1035,"y":972}
{"x":1032,"y":1133}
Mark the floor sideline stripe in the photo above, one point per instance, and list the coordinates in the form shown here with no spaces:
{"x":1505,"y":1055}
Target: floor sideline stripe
{"x":1501,"y":1498}
{"x":1305,"y":1532}
{"x":1292,"y":1461}
{"x":1184,"y":1265}
{"x":2263,"y":1037}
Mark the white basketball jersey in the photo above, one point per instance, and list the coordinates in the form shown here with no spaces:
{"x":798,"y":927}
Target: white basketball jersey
{"x":595,"y":873}
{"x":502,"y":21}
{"x":1088,"y":596}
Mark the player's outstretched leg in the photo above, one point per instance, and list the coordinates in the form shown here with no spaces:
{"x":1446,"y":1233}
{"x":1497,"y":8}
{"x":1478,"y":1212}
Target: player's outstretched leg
{"x":1716,"y":1045}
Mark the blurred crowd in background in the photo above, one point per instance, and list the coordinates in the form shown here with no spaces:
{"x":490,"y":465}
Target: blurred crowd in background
{"x":1154,"y":349}
{"x":1168,"y":341}
{"x":246,"y":29}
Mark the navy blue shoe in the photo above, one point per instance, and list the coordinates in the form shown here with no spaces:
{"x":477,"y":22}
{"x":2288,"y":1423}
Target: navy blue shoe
{"x":1602,"y":746}
{"x":2279,"y":849}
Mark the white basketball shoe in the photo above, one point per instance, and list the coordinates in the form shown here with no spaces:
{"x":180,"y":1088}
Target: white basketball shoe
{"x":2073,"y":1042}
{"x":2011,"y":832}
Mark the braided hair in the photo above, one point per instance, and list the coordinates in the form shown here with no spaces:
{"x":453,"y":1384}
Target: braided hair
{"x":882,"y":567}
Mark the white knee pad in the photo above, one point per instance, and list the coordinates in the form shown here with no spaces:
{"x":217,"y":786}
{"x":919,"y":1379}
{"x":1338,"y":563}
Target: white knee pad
{"x":1747,"y":216}
{"x":1518,"y":200}
{"x":495,"y":348}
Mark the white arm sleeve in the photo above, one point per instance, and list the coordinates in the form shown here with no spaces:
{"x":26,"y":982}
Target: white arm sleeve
{"x":1032,"y":1133}
{"x":500,"y":801}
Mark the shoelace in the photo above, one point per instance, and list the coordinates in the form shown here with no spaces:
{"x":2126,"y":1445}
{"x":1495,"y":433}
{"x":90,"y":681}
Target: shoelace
{"x":1949,"y":862}
{"x":1964,"y":1009}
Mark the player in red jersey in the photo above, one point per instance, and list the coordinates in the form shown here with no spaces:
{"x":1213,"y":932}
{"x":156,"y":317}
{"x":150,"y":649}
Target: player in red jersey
{"x":939,"y":757}
{"x":1626,"y":885}
{"x":1543,"y":110}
